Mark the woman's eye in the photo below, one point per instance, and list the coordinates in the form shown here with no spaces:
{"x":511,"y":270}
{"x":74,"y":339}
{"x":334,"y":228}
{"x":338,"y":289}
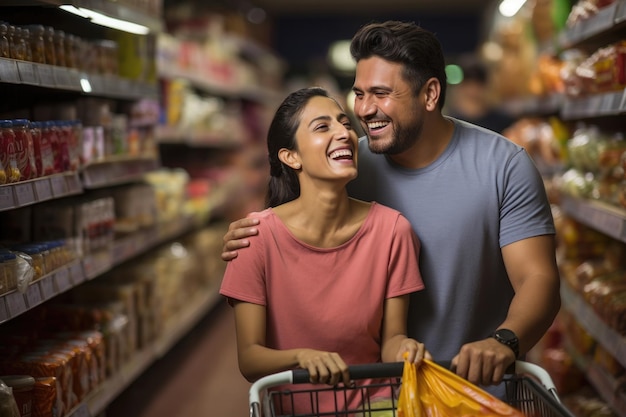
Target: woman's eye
{"x":348,"y":125}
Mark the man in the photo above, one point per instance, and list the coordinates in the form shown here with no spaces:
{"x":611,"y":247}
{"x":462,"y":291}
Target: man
{"x":475,"y":199}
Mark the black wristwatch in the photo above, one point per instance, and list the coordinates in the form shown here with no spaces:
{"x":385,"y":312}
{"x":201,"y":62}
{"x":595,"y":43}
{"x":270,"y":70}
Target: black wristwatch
{"x":508,"y":338}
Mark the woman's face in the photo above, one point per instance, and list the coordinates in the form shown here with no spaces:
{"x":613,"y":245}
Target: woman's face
{"x":326,"y":142}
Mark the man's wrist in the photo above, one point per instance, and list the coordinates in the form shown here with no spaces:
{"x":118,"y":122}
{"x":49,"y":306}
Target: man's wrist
{"x":508,"y":338}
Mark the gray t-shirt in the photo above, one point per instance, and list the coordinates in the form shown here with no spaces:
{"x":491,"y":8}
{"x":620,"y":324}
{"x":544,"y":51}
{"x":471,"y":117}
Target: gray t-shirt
{"x":481,"y":194}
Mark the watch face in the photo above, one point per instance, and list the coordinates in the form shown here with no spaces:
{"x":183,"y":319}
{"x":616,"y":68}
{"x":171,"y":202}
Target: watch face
{"x":508,"y":338}
{"x":506,"y":335}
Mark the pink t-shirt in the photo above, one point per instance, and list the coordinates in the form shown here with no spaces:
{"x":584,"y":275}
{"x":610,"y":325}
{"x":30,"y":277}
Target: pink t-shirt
{"x":328,"y":299}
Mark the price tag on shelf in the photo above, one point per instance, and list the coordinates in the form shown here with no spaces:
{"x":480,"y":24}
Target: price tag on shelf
{"x":62,"y":279}
{"x":43,"y":190}
{"x":59,"y":187}
{"x":46,"y":75}
{"x":61,"y":77}
{"x":73,"y":184}
{"x":620,"y":15}
{"x":24,"y":194}
{"x":8,"y":71}
{"x":77,"y":275}
{"x":47,"y":288}
{"x":33,"y":295}
{"x":28,"y":74}
{"x":4,"y":315}
{"x":97,"y":85}
{"x":16,"y":303}
{"x":81,"y":411}
{"x":7,"y":200}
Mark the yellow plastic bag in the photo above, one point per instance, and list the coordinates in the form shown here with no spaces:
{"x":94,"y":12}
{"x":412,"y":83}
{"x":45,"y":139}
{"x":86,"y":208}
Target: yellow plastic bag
{"x":433,"y":391}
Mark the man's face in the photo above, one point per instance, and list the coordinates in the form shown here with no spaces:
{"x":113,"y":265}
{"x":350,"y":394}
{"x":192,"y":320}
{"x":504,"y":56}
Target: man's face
{"x":389,"y":111}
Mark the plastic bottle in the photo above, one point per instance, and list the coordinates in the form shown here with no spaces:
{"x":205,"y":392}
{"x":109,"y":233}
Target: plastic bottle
{"x":5,"y":49}
{"x":24,"y":149}
{"x":48,"y":41}
{"x":44,"y":156}
{"x":8,"y":155}
{"x":37,"y":45}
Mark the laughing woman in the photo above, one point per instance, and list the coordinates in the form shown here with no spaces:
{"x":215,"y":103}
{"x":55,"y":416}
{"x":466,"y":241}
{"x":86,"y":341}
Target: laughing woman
{"x":325,"y":283}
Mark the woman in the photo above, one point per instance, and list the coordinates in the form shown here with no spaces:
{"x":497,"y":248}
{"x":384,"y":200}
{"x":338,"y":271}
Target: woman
{"x":327,"y":281}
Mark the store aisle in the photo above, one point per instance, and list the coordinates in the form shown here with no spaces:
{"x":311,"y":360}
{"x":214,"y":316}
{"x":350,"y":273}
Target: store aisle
{"x":199,"y":377}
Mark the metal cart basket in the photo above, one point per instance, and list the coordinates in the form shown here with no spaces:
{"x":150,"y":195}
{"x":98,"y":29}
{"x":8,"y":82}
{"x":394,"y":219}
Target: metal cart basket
{"x":529,"y":389}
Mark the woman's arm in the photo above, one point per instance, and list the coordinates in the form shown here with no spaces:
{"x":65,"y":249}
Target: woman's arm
{"x":256,"y":360}
{"x":394,"y":340}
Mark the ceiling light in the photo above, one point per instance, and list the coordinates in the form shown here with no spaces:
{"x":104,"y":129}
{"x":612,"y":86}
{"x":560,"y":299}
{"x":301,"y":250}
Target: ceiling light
{"x":509,"y":8}
{"x":104,"y":20}
{"x":340,"y":57}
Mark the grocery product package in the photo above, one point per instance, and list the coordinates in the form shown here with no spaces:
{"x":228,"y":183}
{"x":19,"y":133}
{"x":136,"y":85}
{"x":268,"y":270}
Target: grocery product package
{"x":431,"y":390}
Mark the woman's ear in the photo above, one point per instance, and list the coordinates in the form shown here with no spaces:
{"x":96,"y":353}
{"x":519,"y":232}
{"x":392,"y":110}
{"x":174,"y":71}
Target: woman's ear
{"x":289,"y":157}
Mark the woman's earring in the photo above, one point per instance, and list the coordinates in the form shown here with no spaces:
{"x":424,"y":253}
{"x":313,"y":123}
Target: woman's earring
{"x":297,"y":166}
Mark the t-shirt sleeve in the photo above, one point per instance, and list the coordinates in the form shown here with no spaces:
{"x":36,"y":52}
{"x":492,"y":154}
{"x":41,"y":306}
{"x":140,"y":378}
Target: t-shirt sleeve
{"x":525,"y":211}
{"x":404,"y":273}
{"x":244,"y":278}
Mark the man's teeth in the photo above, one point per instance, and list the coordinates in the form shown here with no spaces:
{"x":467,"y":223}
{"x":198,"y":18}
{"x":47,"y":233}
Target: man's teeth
{"x":376,"y":125}
{"x":340,"y":153}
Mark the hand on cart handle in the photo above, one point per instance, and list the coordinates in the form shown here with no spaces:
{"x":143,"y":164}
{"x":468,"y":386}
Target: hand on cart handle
{"x":484,"y":362}
{"x":413,"y":351}
{"x":323,"y":367}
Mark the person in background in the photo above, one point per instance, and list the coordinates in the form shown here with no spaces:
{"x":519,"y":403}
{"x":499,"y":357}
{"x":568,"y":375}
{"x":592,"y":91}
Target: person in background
{"x":470,"y":100}
{"x":486,"y":230}
{"x":326,"y":281}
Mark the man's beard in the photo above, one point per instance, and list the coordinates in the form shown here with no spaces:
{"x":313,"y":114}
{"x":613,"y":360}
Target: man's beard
{"x":402,"y":138}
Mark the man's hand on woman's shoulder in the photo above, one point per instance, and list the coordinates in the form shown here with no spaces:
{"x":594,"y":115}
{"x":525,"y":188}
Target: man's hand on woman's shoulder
{"x":235,"y":238}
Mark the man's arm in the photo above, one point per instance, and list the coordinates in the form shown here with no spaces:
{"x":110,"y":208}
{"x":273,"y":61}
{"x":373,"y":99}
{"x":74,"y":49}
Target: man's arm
{"x":235,"y":238}
{"x":531,"y":266}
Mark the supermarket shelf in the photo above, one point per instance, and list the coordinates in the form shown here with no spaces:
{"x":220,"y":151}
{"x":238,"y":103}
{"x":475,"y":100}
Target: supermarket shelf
{"x":609,"y":20}
{"x":604,"y":384}
{"x":67,"y":79}
{"x":90,"y":266}
{"x":49,"y":286}
{"x":596,"y":105}
{"x":249,"y":92}
{"x":29,"y":192}
{"x":98,"y":400}
{"x":603,"y":217}
{"x":536,"y":105}
{"x":612,"y":341}
{"x":117,"y":170}
{"x":168,"y":135}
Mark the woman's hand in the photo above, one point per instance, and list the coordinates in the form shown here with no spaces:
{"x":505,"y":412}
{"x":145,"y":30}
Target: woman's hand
{"x":415,"y":351}
{"x":236,"y":236}
{"x":324,"y":367}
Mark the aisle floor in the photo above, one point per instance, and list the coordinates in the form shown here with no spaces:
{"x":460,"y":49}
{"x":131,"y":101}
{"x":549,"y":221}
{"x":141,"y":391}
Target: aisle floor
{"x":199,"y":377}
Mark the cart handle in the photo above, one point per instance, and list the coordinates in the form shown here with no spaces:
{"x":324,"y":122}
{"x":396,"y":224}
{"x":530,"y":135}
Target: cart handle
{"x":377,"y":370}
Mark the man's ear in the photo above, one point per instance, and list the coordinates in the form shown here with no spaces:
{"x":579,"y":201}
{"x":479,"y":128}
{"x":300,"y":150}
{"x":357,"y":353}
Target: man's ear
{"x":289,"y":157}
{"x":432,"y":89}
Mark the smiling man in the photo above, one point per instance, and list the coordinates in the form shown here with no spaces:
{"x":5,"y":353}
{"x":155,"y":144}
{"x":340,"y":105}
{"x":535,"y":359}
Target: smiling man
{"x":474,"y":198}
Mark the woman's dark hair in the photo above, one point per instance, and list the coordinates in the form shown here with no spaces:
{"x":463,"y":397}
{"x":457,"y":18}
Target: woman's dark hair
{"x":417,"y":49}
{"x":284,"y":185}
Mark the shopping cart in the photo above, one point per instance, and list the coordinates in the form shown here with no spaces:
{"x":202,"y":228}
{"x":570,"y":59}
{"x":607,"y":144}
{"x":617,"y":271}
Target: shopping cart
{"x":529,"y":389}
